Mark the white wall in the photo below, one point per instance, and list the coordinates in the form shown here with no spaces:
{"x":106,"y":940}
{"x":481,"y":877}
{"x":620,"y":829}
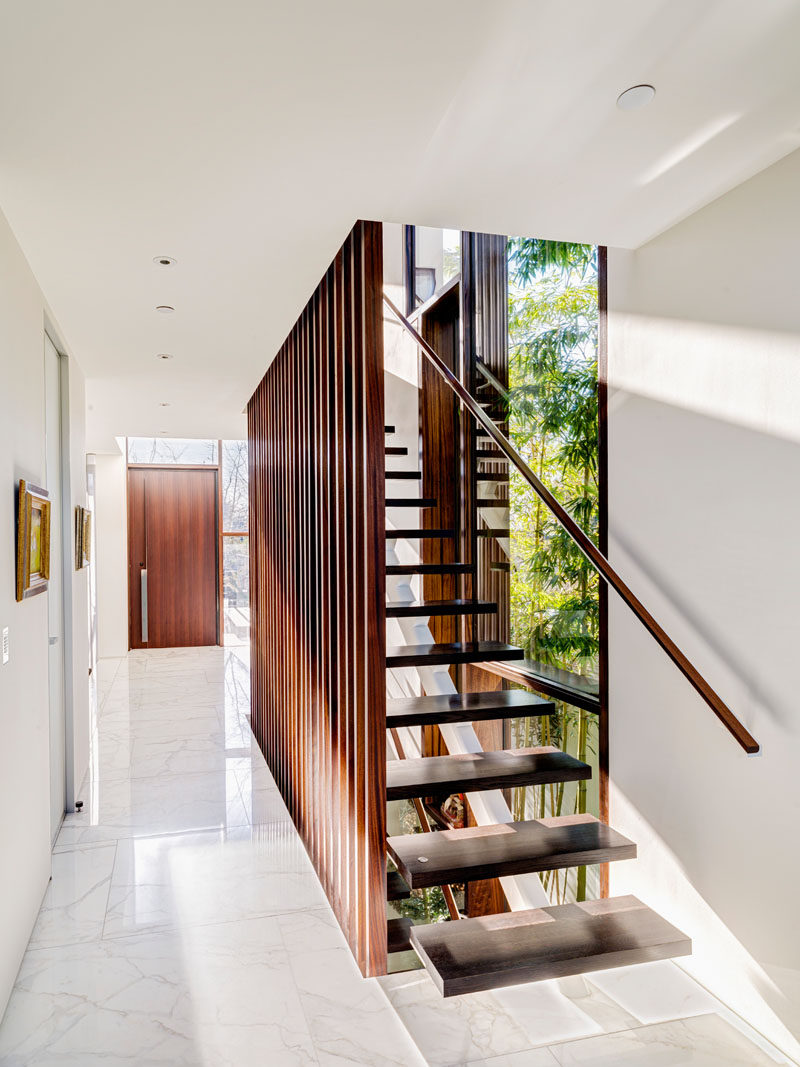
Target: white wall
{"x":704,"y":509}
{"x":24,"y":741}
{"x":111,"y":532}
{"x":77,"y":651}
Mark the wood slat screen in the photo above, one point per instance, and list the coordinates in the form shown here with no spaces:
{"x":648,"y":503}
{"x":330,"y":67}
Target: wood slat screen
{"x":317,"y":585}
{"x":486,"y":331}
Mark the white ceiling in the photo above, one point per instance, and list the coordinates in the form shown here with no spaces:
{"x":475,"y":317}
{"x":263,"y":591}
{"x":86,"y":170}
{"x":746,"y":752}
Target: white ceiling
{"x":244,"y":139}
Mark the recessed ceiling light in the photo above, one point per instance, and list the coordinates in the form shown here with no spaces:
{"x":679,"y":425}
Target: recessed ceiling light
{"x":164,"y":261}
{"x":165,"y":309}
{"x":164,"y":404}
{"x":635,"y":97}
{"x":163,"y":355}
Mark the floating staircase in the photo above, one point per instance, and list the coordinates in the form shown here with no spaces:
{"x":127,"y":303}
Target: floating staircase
{"x":466,"y":955}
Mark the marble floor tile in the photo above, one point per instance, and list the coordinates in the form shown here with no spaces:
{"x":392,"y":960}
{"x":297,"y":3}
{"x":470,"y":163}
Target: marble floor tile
{"x":455,"y":1030}
{"x":655,"y":992}
{"x":348,"y":1016}
{"x":205,"y":995}
{"x":194,"y":879}
{"x":701,"y":1041}
{"x":145,"y":806}
{"x":75,"y":903}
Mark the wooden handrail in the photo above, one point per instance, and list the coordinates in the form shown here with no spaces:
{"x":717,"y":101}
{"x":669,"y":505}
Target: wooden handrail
{"x":585,"y":543}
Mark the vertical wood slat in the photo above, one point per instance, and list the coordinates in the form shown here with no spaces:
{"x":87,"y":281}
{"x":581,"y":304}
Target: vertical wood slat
{"x":485,"y":318}
{"x":317,"y":559}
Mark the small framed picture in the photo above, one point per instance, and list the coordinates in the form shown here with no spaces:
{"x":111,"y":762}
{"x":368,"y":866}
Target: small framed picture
{"x":83,"y":537}
{"x":33,"y":540}
{"x":86,"y":537}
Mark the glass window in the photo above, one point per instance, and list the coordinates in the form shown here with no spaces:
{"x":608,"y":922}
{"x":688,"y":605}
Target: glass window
{"x":236,"y":588}
{"x":437,"y":255}
{"x":172,"y":450}
{"x":234,"y":486}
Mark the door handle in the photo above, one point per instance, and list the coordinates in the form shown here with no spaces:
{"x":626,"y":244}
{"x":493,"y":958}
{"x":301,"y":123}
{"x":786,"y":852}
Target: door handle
{"x":144,"y":604}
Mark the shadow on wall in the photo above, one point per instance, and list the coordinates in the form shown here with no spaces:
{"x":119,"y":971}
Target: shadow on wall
{"x":704,"y":518}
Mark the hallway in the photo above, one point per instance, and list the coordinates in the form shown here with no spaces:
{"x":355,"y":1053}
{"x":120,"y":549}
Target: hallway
{"x":184,"y":922}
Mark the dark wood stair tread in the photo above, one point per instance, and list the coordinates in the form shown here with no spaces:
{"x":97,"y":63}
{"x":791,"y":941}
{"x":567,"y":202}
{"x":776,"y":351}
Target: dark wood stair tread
{"x":394,"y":534}
{"x":405,"y":476}
{"x":434,"y":655}
{"x":487,"y":531}
{"x":528,"y":946}
{"x":395,"y":450}
{"x":429,"y":568}
{"x":388,"y":429}
{"x":410,"y":502}
{"x":508,"y":848}
{"x":397,"y":933}
{"x":398,"y":608}
{"x":488,"y":453}
{"x":492,"y":476}
{"x":397,"y":888}
{"x":474,"y":771}
{"x":465,"y":707}
{"x":490,"y":502}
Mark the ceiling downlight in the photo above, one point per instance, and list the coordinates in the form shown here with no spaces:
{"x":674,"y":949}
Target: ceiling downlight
{"x":638,"y":96}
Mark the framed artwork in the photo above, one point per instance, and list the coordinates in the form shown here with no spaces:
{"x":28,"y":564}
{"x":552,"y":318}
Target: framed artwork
{"x":33,"y":540}
{"x":86,"y":537}
{"x":83,"y":537}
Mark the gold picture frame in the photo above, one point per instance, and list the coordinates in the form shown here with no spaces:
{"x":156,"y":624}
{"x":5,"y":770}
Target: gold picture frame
{"x":33,"y":540}
{"x":83,"y":537}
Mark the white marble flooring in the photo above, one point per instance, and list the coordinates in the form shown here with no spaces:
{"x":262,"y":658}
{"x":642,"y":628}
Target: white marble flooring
{"x":184,"y":924}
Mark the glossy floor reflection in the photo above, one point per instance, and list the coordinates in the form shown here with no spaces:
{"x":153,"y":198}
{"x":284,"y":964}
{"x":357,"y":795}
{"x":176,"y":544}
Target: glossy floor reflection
{"x":185,"y":924}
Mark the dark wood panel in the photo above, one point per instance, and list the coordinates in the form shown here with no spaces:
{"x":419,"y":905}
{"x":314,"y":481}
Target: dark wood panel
{"x":485,"y":313}
{"x":401,"y":608}
{"x":173,"y":535}
{"x":464,"y":707}
{"x":317,"y":558}
{"x":439,"y":442}
{"x":529,"y":946}
{"x":463,"y":772}
{"x":453,"y":652}
{"x":428,"y":568}
{"x":394,"y":535}
{"x":396,"y":887}
{"x":509,"y":848}
{"x":182,"y":551}
{"x":398,"y":931}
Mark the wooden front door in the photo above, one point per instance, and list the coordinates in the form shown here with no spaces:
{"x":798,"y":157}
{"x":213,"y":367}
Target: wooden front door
{"x":173,"y":541}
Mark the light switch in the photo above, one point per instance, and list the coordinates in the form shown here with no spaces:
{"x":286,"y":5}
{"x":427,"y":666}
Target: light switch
{"x":5,"y":644}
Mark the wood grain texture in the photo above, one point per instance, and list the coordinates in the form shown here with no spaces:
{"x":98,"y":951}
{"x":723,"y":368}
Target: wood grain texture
{"x":529,"y":946}
{"x":464,"y":707}
{"x":439,"y":442}
{"x":481,"y":770}
{"x":172,"y":529}
{"x":510,"y":848}
{"x":431,"y":655}
{"x":317,"y":565}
